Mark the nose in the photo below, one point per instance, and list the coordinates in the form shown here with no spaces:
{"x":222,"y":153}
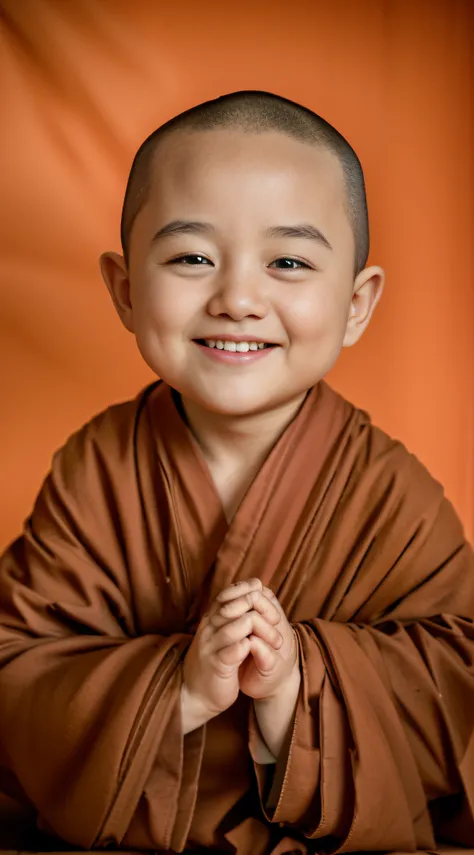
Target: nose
{"x":237,"y":295}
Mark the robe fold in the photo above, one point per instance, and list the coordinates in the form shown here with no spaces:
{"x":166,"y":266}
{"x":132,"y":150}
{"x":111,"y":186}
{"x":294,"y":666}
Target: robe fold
{"x":125,"y":549}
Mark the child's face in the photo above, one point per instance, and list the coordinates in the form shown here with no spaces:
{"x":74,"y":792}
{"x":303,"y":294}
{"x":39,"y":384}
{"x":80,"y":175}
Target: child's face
{"x":241,"y":186}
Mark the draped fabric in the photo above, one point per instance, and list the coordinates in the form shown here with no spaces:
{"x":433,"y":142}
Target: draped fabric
{"x":83,"y":83}
{"x":125,"y":549}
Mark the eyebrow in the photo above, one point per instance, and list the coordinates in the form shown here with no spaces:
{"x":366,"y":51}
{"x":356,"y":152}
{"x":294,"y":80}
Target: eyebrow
{"x":304,"y":231}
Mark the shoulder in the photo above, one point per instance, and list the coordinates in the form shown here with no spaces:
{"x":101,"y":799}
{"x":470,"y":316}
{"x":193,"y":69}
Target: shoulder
{"x":384,"y":461}
{"x":386,"y":494}
{"x":103,"y":443}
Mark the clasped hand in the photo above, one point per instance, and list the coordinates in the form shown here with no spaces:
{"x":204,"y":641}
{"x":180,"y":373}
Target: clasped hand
{"x":244,"y":643}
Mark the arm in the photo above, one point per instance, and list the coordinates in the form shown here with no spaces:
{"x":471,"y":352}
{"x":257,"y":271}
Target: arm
{"x":384,"y":732}
{"x":85,"y":704}
{"x":90,"y":722}
{"x":387,"y":734}
{"x":275,"y":716}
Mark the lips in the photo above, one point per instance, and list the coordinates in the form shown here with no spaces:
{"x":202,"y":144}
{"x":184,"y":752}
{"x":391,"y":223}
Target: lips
{"x":234,"y":346}
{"x":231,"y":352}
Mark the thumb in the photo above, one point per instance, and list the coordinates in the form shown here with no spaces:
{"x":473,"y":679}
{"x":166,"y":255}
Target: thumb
{"x":264,"y":657}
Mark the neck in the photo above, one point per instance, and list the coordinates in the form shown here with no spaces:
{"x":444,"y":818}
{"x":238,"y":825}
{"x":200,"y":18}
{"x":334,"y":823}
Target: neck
{"x":234,"y":441}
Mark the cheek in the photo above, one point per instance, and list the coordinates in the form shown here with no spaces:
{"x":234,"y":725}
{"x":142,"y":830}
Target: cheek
{"x":163,"y":314}
{"x":163,"y":307}
{"x":318,"y":315}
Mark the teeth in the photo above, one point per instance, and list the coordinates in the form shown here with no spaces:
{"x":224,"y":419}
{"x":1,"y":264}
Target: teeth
{"x":234,"y":347}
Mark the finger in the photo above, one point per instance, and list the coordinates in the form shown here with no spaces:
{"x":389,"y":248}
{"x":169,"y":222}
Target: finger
{"x":268,"y":608}
{"x":266,"y":632}
{"x":286,"y":628}
{"x":235,"y":591}
{"x":238,"y":589}
{"x":231,"y":632}
{"x":234,"y":608}
{"x":250,"y":622}
{"x":264,"y":657}
{"x":231,"y":611}
{"x":235,"y":654}
{"x":273,"y":599}
{"x":252,"y":600}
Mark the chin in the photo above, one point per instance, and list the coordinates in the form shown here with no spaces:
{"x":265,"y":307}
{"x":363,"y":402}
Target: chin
{"x":228,"y":401}
{"x":227,"y":406}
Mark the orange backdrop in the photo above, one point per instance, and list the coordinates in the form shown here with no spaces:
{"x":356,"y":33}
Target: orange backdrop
{"x":84,"y":82}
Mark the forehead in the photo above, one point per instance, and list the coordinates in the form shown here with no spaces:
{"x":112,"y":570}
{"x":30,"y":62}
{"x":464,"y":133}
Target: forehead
{"x":228,"y":169}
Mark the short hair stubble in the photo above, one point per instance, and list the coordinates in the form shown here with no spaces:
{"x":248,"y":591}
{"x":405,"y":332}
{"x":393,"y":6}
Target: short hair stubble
{"x":254,"y":111}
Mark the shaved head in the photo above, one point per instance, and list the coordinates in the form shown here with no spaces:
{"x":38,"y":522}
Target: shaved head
{"x":254,"y":112}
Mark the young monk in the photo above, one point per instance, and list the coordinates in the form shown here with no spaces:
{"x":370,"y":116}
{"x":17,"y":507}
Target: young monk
{"x":240,"y":617}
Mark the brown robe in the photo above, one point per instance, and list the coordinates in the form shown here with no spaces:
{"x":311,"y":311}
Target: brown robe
{"x":126,"y":547}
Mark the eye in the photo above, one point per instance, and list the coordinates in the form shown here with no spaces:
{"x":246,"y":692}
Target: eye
{"x":190,"y":260}
{"x":290,"y":264}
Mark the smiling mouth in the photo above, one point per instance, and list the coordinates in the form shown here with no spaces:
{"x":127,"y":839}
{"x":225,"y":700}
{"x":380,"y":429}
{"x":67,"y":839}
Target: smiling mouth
{"x":234,"y":346}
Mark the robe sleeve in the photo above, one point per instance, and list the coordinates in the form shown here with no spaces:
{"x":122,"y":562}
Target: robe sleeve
{"x":86,"y":706}
{"x":381,"y":751}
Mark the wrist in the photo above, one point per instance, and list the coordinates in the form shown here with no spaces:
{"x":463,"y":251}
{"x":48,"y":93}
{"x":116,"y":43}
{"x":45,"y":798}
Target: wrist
{"x":275,"y":714}
{"x":288,"y":688}
{"x":194,"y":711}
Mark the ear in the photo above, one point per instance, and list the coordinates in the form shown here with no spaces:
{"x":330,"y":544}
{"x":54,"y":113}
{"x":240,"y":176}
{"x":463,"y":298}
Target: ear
{"x":368,"y":287}
{"x":115,"y":275}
